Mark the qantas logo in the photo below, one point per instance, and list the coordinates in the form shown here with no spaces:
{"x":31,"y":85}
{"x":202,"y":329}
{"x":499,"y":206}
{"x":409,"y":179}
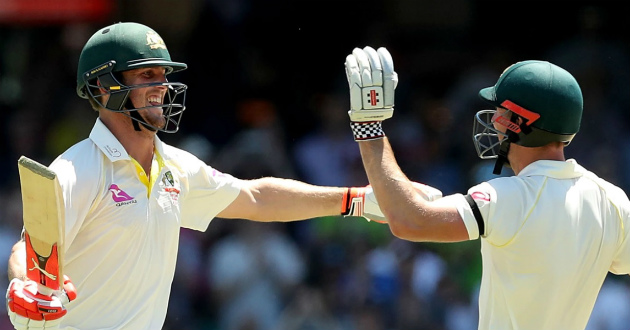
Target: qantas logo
{"x":120,"y":197}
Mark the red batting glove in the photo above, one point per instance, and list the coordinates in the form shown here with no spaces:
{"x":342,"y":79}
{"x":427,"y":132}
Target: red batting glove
{"x":25,"y":304}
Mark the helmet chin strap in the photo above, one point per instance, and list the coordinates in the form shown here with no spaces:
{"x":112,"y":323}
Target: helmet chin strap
{"x":138,"y":119}
{"x":120,"y":100}
{"x":502,"y":157}
{"x":504,"y":148}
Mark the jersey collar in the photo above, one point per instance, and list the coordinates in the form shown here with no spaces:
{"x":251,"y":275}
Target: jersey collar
{"x":555,"y":169}
{"x":110,"y":146}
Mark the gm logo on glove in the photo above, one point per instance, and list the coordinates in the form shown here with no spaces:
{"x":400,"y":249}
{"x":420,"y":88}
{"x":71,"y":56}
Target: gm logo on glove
{"x":372,"y":99}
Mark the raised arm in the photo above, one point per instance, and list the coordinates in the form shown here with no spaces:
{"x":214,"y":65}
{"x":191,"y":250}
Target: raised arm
{"x":410,"y":216}
{"x":372,"y":81}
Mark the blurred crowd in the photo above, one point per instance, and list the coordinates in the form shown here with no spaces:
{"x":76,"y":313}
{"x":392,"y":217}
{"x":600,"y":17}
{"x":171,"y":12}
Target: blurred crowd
{"x":268,"y":96}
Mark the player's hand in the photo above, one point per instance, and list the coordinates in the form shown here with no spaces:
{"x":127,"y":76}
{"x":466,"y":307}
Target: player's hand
{"x":372,"y":81}
{"x":361,"y":202}
{"x":29,"y":309}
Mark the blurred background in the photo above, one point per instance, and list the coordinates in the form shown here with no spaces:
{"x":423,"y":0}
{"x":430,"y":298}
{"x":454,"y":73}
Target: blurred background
{"x":268,"y":96}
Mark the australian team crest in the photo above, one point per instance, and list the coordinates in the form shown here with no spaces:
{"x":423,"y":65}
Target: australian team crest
{"x":154,"y":41}
{"x":167,"y":179}
{"x":170,"y":185}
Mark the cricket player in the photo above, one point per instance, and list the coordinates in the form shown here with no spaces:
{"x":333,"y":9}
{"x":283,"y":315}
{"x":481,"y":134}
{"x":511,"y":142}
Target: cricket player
{"x":127,"y":194}
{"x":550,"y":234}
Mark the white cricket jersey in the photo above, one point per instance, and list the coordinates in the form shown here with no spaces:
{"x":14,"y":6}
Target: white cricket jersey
{"x":121,"y":240}
{"x":551,"y":236}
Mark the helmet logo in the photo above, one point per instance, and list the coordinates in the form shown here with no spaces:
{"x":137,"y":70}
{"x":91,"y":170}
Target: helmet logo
{"x":154,"y":41}
{"x":503,"y":121}
{"x":517,"y":109}
{"x":527,"y":114}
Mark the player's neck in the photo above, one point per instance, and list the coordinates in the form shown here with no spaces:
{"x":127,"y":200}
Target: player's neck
{"x":138,"y":144}
{"x":520,"y":156}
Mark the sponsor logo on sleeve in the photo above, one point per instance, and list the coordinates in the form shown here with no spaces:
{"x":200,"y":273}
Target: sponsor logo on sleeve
{"x":480,"y":196}
{"x":217,"y":173}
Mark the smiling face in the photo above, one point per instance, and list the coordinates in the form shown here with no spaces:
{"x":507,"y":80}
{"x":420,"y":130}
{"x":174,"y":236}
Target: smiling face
{"x":148,"y":96}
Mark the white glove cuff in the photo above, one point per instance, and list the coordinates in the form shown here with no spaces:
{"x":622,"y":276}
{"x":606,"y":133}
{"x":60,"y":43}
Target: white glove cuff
{"x":364,"y":131}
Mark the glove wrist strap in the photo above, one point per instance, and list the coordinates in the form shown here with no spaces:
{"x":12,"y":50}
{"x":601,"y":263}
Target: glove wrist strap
{"x":364,"y":131}
{"x":352,"y":202}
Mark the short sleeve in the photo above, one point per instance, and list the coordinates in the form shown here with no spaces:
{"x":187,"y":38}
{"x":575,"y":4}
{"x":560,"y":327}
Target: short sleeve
{"x":500,"y":223}
{"x":466,"y":213}
{"x":209,"y":192}
{"x":621,"y":263}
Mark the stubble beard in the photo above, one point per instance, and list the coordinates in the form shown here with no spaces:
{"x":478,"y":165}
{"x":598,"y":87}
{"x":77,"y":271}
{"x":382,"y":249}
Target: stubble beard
{"x":154,"y":117}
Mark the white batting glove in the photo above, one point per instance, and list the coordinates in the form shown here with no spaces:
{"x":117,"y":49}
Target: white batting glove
{"x":372,"y":81}
{"x":361,"y":202}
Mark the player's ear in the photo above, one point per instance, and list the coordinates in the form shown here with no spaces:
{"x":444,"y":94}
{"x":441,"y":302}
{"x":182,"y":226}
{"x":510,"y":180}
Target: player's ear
{"x":102,"y":94}
{"x":101,"y":89}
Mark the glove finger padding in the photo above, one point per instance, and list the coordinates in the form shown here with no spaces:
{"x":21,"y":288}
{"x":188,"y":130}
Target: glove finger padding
{"x":372,"y":82}
{"x":372,"y":211}
{"x":375,"y":64}
{"x":69,"y":292}
{"x":390,"y":77}
{"x":22,"y":323}
{"x":365,"y":69}
{"x":427,"y":192}
{"x":354,"y":82}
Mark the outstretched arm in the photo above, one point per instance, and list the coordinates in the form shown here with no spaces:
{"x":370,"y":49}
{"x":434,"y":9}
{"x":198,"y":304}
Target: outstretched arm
{"x":276,"y":199}
{"x":372,"y":81}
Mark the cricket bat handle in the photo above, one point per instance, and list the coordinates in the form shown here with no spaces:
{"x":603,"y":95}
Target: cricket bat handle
{"x":42,"y":265}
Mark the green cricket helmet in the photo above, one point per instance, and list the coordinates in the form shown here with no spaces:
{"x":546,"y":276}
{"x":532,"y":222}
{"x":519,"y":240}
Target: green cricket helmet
{"x":542,"y":102}
{"x":127,"y":46}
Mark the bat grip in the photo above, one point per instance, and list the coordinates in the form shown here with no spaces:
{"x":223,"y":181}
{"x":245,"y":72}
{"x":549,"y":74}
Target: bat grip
{"x":44,"y":290}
